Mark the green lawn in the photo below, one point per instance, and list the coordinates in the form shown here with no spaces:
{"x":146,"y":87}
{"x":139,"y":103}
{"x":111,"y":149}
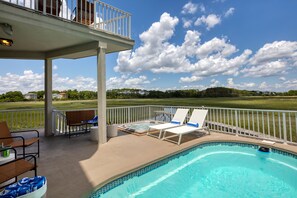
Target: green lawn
{"x":281,"y":103}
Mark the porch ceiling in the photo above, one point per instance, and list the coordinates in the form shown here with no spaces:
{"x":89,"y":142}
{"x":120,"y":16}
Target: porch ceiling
{"x":37,"y":36}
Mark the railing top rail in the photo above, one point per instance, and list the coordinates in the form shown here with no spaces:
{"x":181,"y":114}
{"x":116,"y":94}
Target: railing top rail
{"x":227,"y":108}
{"x":13,"y":110}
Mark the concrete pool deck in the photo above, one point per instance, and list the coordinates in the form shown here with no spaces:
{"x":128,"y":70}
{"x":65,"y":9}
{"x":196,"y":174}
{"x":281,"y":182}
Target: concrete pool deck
{"x":74,"y":167}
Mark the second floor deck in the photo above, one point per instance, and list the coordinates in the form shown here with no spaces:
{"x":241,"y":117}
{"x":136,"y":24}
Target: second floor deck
{"x":63,"y":28}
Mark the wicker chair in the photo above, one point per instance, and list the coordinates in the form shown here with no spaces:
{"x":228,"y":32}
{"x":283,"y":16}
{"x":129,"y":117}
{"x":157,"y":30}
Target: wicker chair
{"x":17,"y":141}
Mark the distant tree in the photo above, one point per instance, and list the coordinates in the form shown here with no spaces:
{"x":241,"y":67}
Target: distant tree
{"x":72,"y":94}
{"x":292,"y":93}
{"x":13,"y":96}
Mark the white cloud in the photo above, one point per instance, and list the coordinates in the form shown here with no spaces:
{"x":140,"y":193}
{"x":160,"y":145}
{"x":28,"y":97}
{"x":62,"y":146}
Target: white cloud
{"x":158,"y":55}
{"x":245,"y":85}
{"x":214,"y":83}
{"x":154,"y":40}
{"x":282,"y":78}
{"x":275,"y":51}
{"x":210,"y":21}
{"x":290,"y":84}
{"x":216,"y":47}
{"x":125,"y":81}
{"x":263,"y":86}
{"x":30,"y":81}
{"x":229,"y":12}
{"x":190,"y":8}
{"x":190,"y":79}
{"x":272,"y":59}
{"x":267,"y":69}
{"x":55,"y":67}
{"x":187,"y":23}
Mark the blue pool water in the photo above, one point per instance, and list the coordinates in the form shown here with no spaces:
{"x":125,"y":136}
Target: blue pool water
{"x":212,"y":170}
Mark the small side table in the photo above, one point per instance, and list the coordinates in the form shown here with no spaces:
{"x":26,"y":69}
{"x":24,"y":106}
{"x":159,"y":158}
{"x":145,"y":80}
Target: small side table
{"x":94,"y":134}
{"x":4,"y":160}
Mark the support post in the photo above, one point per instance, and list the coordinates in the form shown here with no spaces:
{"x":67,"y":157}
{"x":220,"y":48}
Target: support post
{"x":101,"y":93}
{"x":48,"y":97}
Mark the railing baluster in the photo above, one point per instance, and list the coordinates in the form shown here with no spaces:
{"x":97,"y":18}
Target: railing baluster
{"x":263,"y":127}
{"x":285,"y":127}
{"x":290,"y":126}
{"x":273,"y":121}
{"x":279,"y":126}
{"x":268,"y":124}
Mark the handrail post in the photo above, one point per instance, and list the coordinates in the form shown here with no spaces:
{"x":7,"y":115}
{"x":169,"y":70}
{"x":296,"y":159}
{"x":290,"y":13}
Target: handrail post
{"x":285,"y":128}
{"x":236,"y":121}
{"x":54,"y":127}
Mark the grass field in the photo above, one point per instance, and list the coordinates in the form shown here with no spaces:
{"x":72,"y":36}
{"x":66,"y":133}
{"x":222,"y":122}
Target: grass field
{"x":280,"y":103}
{"x":264,"y":122}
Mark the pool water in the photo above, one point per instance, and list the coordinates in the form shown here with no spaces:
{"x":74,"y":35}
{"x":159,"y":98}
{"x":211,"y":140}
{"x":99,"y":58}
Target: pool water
{"x":213,"y":170}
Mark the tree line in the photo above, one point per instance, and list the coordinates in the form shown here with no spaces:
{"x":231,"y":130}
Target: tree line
{"x":126,"y":93}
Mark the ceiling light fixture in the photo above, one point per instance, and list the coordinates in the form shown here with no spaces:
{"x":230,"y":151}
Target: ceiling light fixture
{"x":6,"y":42}
{"x":8,"y":30}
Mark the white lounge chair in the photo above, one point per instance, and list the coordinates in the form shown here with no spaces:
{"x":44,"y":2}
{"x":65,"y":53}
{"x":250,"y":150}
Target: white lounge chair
{"x":177,"y":120}
{"x":196,"y":123}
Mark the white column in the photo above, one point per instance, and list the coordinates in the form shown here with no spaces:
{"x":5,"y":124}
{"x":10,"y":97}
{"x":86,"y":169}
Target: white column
{"x":48,"y":97}
{"x":101,"y":89}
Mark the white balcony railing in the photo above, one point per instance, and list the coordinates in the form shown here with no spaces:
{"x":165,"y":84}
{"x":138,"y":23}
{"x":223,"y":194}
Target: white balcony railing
{"x":92,"y":13}
{"x":276,"y":125}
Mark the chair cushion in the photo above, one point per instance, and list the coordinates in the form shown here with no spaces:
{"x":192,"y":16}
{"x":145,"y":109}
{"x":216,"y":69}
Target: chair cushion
{"x":193,"y":124}
{"x":175,"y":122}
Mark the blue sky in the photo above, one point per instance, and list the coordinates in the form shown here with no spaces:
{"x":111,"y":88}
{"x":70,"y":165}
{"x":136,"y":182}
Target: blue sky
{"x":182,"y":45}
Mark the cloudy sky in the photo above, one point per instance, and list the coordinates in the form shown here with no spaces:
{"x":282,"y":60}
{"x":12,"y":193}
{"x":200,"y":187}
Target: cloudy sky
{"x":182,"y":45}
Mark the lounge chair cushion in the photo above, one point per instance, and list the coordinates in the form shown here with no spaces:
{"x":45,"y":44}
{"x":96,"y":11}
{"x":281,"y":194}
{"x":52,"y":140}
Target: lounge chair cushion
{"x":193,"y":124}
{"x":175,"y":122}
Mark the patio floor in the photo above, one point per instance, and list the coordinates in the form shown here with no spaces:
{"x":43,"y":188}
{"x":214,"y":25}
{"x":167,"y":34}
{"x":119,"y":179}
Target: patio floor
{"x":74,"y":167}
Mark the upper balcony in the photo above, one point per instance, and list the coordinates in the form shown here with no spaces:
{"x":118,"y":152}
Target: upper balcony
{"x":41,"y":27}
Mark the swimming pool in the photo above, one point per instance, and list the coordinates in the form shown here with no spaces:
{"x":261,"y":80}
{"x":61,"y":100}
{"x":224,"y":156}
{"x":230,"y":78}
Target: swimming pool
{"x":212,"y":170}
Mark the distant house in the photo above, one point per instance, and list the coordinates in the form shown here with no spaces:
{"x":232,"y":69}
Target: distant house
{"x":30,"y":96}
{"x":59,"y":96}
{"x":63,"y":95}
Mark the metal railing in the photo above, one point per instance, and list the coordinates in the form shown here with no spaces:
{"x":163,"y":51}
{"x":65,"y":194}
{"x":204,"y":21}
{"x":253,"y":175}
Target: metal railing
{"x":93,"y":13}
{"x":23,"y":118}
{"x":276,"y":125}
